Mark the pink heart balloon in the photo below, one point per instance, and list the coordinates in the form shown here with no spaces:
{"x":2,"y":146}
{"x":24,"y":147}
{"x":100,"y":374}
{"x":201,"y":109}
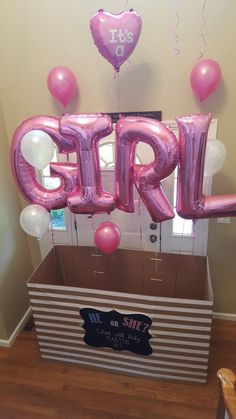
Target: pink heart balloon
{"x":116,"y":35}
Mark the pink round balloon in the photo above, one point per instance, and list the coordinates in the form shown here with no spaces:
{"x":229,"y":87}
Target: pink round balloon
{"x":116,"y":35}
{"x":205,"y":78}
{"x":62,"y":84}
{"x":107,"y":237}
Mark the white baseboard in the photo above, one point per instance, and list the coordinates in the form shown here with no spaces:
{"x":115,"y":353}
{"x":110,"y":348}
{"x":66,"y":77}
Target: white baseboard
{"x":8,"y":342}
{"x":224,"y":316}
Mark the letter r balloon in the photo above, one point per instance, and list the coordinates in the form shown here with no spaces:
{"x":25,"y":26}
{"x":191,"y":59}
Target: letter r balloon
{"x":147,"y":178}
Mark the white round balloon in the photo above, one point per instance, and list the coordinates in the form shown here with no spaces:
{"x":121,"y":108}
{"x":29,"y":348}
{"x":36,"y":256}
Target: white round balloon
{"x":35,"y":220}
{"x":37,"y":148}
{"x":215,"y":157}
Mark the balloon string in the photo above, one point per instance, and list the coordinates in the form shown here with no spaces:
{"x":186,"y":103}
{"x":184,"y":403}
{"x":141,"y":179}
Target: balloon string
{"x":76,"y":230}
{"x":203,"y":30}
{"x":194,"y":235}
{"x":126,"y":4}
{"x":95,"y":248}
{"x":141,"y":237}
{"x":73,"y":227}
{"x":206,"y":185}
{"x":52,"y":237}
{"x":93,"y":229}
{"x":175,"y":37}
{"x":140,"y":222}
{"x":52,"y":230}
{"x":57,"y":260}
{"x":179,"y":252}
{"x":73,"y":248}
{"x":117,"y":89}
{"x":160,"y":247}
{"x":131,"y":67}
{"x":51,"y":225}
{"x":182,"y":237}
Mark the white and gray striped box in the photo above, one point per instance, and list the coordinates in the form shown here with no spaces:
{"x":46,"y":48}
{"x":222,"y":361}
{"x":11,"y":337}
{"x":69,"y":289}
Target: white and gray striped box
{"x":181,"y":327}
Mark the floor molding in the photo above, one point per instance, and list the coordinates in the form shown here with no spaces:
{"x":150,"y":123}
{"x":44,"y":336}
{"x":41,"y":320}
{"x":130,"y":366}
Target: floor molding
{"x":8,"y":342}
{"x":224,"y":316}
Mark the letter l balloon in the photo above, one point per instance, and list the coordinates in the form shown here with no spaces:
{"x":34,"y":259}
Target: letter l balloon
{"x":191,"y":202}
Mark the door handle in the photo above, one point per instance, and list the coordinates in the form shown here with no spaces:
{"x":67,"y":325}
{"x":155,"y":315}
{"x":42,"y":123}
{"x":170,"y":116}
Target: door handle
{"x":153,"y":238}
{"x":153,"y":226}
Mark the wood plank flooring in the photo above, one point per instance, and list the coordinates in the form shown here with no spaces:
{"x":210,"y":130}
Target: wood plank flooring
{"x":31,"y":388}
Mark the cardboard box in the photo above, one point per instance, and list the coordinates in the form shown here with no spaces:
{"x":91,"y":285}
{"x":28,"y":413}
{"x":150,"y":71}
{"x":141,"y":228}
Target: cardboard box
{"x":174,"y":291}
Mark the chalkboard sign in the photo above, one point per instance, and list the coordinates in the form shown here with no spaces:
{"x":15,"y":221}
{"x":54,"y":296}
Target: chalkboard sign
{"x":118,"y":331}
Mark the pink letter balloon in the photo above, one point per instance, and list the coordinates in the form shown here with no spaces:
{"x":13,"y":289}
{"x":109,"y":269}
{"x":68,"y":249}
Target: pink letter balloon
{"x":81,"y":188}
{"x":191,"y":202}
{"x":147,"y":178}
{"x":116,"y":35}
{"x":25,"y":174}
{"x":205,"y":78}
{"x":62,"y":84}
{"x":89,"y":197}
{"x":107,"y":237}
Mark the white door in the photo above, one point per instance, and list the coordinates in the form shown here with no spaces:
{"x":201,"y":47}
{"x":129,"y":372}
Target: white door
{"x":137,"y":229}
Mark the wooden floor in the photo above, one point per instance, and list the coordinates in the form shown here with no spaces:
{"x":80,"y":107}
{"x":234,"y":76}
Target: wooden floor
{"x":36,"y":389}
